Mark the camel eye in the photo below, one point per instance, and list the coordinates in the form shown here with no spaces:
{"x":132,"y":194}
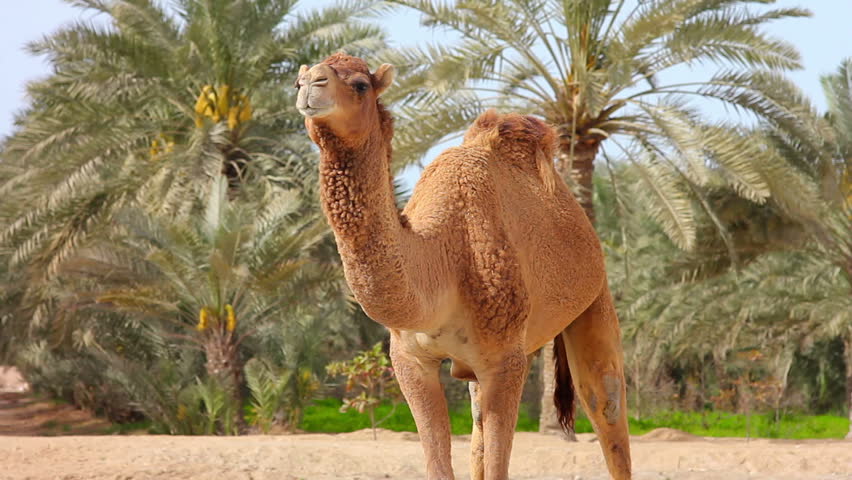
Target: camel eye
{"x":361,"y":87}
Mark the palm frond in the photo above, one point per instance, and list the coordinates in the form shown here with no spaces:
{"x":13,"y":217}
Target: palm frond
{"x":667,"y":202}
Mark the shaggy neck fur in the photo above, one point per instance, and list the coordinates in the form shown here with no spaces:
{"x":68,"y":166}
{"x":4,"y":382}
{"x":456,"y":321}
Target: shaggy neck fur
{"x":356,"y":192}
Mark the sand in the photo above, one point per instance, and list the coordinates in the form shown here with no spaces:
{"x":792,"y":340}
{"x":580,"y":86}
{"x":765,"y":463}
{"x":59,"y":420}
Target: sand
{"x":397,"y":456}
{"x":66,"y":453}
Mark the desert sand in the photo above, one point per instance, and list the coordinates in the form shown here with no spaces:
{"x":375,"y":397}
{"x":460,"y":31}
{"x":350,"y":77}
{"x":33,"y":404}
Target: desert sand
{"x":394,"y":455}
{"x":67,"y":453}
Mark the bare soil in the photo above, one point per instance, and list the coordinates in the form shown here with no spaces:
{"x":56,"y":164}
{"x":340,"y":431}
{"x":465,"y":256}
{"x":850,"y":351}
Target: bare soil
{"x":22,"y":414}
{"x":25,"y":453}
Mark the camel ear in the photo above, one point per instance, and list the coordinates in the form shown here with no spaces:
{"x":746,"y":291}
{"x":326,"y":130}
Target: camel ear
{"x":302,"y":70}
{"x":384,"y":77}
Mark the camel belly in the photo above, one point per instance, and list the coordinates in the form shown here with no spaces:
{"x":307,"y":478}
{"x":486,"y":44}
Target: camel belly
{"x":452,"y":340}
{"x":455,"y":339}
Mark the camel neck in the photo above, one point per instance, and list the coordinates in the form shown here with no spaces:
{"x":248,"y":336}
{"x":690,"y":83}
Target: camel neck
{"x":356,"y":188}
{"x":357,"y":197}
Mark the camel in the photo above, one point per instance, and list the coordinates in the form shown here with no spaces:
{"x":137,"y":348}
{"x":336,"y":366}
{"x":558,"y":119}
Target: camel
{"x":491,"y":258}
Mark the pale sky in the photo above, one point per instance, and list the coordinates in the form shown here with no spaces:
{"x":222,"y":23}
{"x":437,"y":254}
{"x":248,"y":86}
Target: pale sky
{"x":823,"y":40}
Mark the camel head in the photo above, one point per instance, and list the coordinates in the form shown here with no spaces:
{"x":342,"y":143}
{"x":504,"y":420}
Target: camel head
{"x":341,"y":95}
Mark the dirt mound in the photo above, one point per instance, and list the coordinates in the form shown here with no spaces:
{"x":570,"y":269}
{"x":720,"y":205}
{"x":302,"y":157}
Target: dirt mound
{"x":670,"y":435}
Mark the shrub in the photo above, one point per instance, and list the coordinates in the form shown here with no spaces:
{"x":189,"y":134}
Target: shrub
{"x":370,"y":381}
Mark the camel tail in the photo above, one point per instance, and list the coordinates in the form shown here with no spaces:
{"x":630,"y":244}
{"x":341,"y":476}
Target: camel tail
{"x":563,"y":394}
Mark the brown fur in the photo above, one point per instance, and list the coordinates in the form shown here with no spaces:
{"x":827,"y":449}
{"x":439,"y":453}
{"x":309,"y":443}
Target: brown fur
{"x":491,"y":258}
{"x":344,"y":64}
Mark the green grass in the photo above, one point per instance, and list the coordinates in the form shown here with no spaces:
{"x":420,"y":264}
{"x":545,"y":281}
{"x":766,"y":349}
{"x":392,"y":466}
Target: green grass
{"x":324,"y":416}
{"x":723,"y":424}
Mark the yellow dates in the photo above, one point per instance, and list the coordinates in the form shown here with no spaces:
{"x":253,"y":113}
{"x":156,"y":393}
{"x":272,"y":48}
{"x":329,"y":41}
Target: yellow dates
{"x":222,"y":103}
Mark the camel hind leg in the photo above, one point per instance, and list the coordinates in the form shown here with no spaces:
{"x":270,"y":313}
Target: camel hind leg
{"x":593,"y":347}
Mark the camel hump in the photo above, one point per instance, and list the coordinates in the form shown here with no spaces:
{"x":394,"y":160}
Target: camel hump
{"x":499,"y":130}
{"x":519,"y":139}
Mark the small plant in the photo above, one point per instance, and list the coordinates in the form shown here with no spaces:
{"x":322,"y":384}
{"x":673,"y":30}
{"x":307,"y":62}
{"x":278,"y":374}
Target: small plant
{"x":279,"y":393}
{"x":752,"y":387}
{"x":267,"y":388}
{"x":304,"y":389}
{"x":220,"y":411}
{"x":370,"y":378}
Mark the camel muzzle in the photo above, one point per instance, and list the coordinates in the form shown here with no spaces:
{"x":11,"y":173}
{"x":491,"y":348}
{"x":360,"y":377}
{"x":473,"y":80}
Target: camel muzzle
{"x":315,"y":98}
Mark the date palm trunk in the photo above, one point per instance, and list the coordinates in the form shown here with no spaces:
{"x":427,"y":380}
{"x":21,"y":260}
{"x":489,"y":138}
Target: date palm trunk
{"x":577,"y":168}
{"x":847,"y":351}
{"x":223,"y":365}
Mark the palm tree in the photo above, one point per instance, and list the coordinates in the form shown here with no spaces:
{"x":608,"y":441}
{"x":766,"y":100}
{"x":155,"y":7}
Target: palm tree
{"x":838,"y":90}
{"x":212,"y":283}
{"x":144,"y":107}
{"x":599,"y":71}
{"x":793,"y":292}
{"x":596,"y":70}
{"x":827,"y":160}
{"x":688,"y":312}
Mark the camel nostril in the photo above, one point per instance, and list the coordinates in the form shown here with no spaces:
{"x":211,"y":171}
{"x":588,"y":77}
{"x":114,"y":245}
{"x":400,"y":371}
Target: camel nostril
{"x":320,"y":82}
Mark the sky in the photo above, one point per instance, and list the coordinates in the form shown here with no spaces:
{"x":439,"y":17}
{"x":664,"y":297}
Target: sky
{"x":823,"y":41}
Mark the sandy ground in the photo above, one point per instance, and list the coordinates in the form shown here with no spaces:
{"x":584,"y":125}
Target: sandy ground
{"x":398,"y":456}
{"x":41,"y":440}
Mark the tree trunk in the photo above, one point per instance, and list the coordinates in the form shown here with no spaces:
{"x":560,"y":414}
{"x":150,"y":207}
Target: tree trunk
{"x":223,"y":364}
{"x":577,"y":168}
{"x":547,"y":420}
{"x":578,"y":171}
{"x":847,"y":350}
{"x":637,"y":382}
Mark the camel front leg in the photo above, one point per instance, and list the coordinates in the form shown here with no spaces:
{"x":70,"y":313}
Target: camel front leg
{"x":477,"y":440}
{"x":420,"y":383}
{"x":500,"y":396}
